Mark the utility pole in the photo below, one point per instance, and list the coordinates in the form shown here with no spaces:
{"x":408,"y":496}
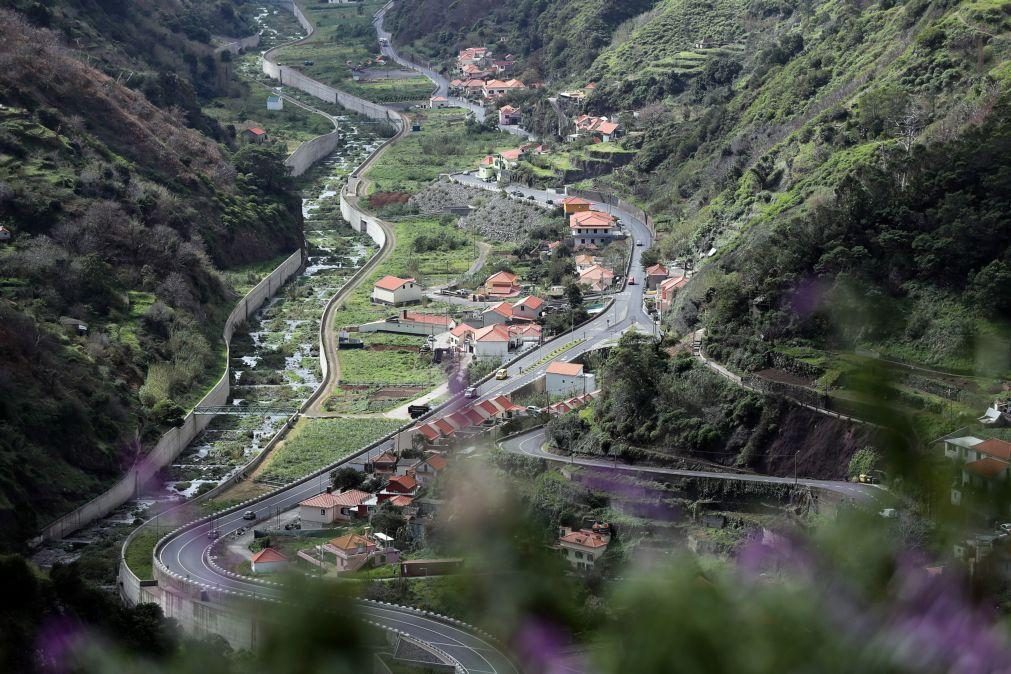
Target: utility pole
{"x":796,"y":457}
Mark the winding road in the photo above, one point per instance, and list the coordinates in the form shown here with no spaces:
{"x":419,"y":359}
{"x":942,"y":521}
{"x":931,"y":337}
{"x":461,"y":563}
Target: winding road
{"x":187,"y":553}
{"x":532,"y":444}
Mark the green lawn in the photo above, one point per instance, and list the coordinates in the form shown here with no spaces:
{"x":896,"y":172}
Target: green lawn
{"x":315,"y":443}
{"x":344,"y":33}
{"x":291,"y":126}
{"x":443,"y":145}
{"x":139,"y":554}
{"x":361,"y":366}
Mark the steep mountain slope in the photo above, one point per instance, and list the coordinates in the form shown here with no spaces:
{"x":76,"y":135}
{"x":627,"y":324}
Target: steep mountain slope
{"x":120,"y":218}
{"x":554,"y":38}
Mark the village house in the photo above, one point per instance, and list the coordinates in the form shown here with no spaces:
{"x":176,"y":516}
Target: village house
{"x":411,"y":323}
{"x":592,"y":228}
{"x":498,"y":313}
{"x":509,"y":115}
{"x":397,"y":485}
{"x":493,"y":341}
{"x":584,"y":262}
{"x":438,"y":102}
{"x":5,"y":234}
{"x":385,"y":463}
{"x":353,"y":551}
{"x":667,"y":290}
{"x":600,"y":128}
{"x":528,"y":309}
{"x":328,"y":507}
{"x":255,"y":134}
{"x":472,"y":55}
{"x":428,"y":470}
{"x":496,"y":88}
{"x":268,"y":560}
{"x":596,"y":279}
{"x":396,"y":291}
{"x":582,"y":548}
{"x":275,"y":103}
{"x":572,"y":205}
{"x":502,"y":284}
{"x":561,"y":379}
{"x":655,"y":275}
{"x":528,"y":333}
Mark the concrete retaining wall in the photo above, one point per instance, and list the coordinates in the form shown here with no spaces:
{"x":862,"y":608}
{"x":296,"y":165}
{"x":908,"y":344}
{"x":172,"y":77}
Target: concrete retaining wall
{"x":239,"y":45}
{"x":311,"y":151}
{"x":175,"y":440}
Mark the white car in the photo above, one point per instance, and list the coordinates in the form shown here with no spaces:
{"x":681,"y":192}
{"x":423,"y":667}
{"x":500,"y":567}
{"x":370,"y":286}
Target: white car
{"x":470,"y":392}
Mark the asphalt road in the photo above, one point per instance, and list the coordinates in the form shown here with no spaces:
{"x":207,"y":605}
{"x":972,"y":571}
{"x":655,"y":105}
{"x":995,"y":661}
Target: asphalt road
{"x":532,"y":444}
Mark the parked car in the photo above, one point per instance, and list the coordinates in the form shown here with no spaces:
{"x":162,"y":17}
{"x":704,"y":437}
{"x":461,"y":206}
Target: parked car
{"x":249,"y":515}
{"x":631,"y":280}
{"x":502,"y":374}
{"x":638,"y":242}
{"x":292,"y":525}
{"x":471,"y":392}
{"x":530,"y":197}
{"x":516,"y":193}
{"x":550,"y":201}
{"x":213,"y":534}
{"x":307,"y":62}
{"x":533,"y":409}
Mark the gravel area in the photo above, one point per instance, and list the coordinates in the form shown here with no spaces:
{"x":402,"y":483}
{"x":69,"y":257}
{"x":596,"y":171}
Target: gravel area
{"x":494,"y":216}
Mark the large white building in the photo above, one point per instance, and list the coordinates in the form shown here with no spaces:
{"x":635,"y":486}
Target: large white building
{"x":396,"y":291}
{"x":563,"y":379}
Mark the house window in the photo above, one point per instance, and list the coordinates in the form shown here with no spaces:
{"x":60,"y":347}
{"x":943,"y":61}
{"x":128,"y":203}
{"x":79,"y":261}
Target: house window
{"x":579,"y":555}
{"x":322,"y":511}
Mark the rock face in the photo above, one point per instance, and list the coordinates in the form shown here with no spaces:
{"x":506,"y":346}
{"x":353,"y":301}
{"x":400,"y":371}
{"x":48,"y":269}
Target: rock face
{"x":492,"y":215}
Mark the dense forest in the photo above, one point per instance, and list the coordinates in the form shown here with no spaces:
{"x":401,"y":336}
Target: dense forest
{"x":123,"y":203}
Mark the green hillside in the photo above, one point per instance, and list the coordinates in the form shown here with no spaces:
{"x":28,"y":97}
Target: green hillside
{"x":121,"y":214}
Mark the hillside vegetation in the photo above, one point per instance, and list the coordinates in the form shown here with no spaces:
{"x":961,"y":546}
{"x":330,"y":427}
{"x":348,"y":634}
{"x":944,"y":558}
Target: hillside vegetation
{"x":121,"y":217}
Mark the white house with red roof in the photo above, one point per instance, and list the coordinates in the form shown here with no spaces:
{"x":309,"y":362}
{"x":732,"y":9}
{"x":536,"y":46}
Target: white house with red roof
{"x":492,"y":341}
{"x":328,"y":507}
{"x":438,"y":102}
{"x":428,"y":470}
{"x":268,"y":560}
{"x":496,"y":88}
{"x":592,"y":228}
{"x":564,"y":379}
{"x":396,"y":291}
{"x":583,"y":547}
{"x":601,"y":128}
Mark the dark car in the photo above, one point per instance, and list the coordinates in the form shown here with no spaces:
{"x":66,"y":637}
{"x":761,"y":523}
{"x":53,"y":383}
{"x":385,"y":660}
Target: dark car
{"x":249,"y":515}
{"x":308,"y":62}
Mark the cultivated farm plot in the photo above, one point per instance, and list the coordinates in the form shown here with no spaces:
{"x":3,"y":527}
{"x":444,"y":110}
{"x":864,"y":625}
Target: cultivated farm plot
{"x":315,"y":443}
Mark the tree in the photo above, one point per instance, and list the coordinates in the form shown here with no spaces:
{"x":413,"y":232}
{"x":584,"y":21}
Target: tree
{"x":346,"y":478}
{"x":863,"y":462}
{"x":389,"y":520}
{"x":990,"y":289}
{"x":574,"y":295}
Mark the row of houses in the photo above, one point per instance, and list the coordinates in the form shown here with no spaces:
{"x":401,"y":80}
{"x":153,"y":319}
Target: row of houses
{"x":467,"y":421}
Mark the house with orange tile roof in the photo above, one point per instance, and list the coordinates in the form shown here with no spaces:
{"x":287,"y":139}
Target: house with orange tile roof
{"x":399,"y":484}
{"x":668,"y":288}
{"x":509,"y":115}
{"x":438,"y":102}
{"x":655,"y":275}
{"x":565,"y":379}
{"x":255,"y":134}
{"x":268,"y":560}
{"x":583,"y":547}
{"x":592,"y":228}
{"x":572,"y":205}
{"x":498,"y":313}
{"x":329,"y":507}
{"x":502,"y":284}
{"x":411,"y":323}
{"x":354,"y":551}
{"x":496,"y":88}
{"x":396,"y":291}
{"x":527,"y":333}
{"x":492,"y":341}
{"x":528,"y":308}
{"x":428,"y":470}
{"x":596,"y":278}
